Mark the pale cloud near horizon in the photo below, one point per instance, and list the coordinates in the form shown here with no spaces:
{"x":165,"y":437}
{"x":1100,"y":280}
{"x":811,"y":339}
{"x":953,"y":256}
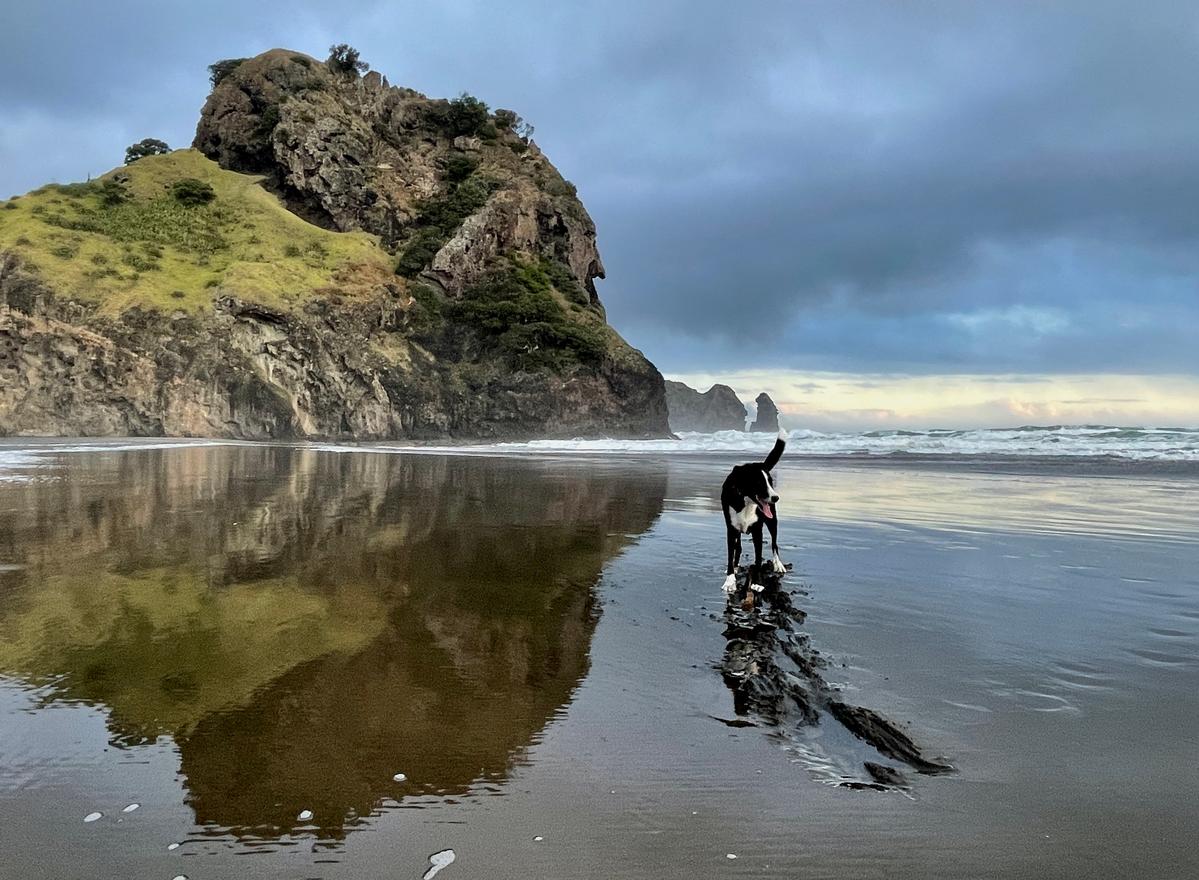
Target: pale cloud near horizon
{"x":848,"y":402}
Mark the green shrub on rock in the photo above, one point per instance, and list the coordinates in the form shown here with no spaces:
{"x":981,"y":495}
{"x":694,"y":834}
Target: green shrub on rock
{"x":425,"y":316}
{"x":420,"y":250}
{"x":344,"y":58}
{"x":467,"y":115}
{"x":191,"y":193}
{"x":459,"y":167}
{"x":516,"y":310}
{"x":218,"y":70}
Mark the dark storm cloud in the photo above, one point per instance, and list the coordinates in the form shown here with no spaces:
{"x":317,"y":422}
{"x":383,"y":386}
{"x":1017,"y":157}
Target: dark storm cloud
{"x":866,"y":186}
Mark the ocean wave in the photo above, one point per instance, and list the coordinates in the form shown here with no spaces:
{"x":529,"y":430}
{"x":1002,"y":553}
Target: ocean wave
{"x":1148,"y":443}
{"x":1028,"y":441}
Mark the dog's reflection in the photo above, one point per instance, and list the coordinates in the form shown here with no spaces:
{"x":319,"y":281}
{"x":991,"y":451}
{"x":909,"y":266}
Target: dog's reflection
{"x":776,"y":678}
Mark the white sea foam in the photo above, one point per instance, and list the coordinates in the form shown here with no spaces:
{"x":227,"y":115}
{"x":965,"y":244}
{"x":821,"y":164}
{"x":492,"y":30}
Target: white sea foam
{"x":1064,"y":441}
{"x":1143,"y":444}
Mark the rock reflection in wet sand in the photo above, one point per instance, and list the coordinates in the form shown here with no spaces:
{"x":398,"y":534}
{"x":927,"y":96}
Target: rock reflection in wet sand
{"x":303,"y":623}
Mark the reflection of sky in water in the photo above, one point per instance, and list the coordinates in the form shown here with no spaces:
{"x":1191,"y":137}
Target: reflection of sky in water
{"x":1003,"y":565}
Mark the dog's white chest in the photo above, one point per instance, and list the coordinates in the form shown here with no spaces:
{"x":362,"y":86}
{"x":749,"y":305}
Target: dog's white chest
{"x":743,"y":519}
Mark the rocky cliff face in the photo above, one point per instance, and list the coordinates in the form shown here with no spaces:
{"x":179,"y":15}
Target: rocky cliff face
{"x":355,"y":153}
{"x":768,"y":414}
{"x":432,"y":276}
{"x":716,"y":409}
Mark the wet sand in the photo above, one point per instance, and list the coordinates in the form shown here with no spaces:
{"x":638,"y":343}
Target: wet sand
{"x":232,"y":637}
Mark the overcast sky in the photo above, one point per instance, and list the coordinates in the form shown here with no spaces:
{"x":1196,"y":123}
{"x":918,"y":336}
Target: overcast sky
{"x":788,"y":195}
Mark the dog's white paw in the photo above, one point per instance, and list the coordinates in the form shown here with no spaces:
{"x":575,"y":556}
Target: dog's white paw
{"x":779,"y":567}
{"x":757,"y":588}
{"x":730,"y":584}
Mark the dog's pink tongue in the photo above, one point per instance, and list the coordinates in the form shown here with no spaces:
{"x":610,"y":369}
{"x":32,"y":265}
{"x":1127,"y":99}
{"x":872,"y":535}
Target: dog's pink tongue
{"x":765,"y":508}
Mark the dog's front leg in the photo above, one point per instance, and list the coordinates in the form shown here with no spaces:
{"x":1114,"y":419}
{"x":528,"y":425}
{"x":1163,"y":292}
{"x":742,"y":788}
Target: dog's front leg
{"x":773,"y":524}
{"x":755,"y":572}
{"x":733,"y":537}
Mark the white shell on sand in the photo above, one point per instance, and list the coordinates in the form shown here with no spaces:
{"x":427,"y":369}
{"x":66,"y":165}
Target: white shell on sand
{"x":130,"y":808}
{"x":305,"y":815}
{"x":172,"y":846}
{"x":92,"y":817}
{"x":731,"y":856}
{"x":538,"y":838}
{"x":437,"y":861}
{"x":400,"y":777}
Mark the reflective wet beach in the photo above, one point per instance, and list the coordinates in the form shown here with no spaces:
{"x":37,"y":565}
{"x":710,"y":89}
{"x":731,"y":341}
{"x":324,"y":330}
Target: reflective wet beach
{"x":233,"y":637}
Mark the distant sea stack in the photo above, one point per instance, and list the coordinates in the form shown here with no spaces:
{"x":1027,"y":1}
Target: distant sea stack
{"x":336,"y":258}
{"x":716,"y":409}
{"x":767,"y":420}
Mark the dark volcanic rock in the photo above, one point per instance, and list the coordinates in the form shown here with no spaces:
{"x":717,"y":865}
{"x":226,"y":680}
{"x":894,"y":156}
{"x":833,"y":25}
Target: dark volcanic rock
{"x":716,"y":409}
{"x":768,"y":415}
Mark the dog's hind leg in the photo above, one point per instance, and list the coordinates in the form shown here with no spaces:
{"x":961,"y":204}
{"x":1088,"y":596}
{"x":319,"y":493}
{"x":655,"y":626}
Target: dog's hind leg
{"x":773,"y":525}
{"x":733,"y":538}
{"x":755,"y":572}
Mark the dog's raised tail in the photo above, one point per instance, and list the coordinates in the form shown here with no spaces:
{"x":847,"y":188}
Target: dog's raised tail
{"x":777,"y":452}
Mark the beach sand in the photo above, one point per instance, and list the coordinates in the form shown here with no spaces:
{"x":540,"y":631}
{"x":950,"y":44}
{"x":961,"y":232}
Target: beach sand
{"x":233,"y":637}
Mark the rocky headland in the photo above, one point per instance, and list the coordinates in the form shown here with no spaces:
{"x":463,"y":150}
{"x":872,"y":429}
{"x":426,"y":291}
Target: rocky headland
{"x":768,"y":415}
{"x":717,"y":409}
{"x":334,"y":258}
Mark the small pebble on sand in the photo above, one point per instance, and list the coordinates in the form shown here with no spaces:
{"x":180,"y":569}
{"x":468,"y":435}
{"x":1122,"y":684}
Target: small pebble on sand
{"x":538,"y":839}
{"x":92,"y":817}
{"x":731,"y":856}
{"x":400,"y":777}
{"x":305,"y":815}
{"x":172,"y":846}
{"x":130,"y":808}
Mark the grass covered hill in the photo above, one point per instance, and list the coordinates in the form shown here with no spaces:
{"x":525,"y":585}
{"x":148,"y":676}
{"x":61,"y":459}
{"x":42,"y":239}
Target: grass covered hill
{"x":141,"y":236}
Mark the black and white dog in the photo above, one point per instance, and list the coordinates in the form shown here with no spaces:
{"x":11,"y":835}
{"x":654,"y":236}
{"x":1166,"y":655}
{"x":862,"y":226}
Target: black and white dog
{"x":747,"y":499}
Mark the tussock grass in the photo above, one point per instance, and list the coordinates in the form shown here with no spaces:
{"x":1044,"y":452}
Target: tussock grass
{"x":153,"y":251}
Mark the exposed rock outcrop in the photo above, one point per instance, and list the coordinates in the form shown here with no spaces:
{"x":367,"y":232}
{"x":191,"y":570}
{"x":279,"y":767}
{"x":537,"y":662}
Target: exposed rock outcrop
{"x":124,"y":312}
{"x":247,"y":371}
{"x":767,"y":419}
{"x":355,"y":154}
{"x":716,"y":409}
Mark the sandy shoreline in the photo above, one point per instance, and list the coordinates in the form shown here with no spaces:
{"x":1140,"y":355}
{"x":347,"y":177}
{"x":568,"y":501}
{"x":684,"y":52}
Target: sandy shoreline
{"x":1036,"y":628}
